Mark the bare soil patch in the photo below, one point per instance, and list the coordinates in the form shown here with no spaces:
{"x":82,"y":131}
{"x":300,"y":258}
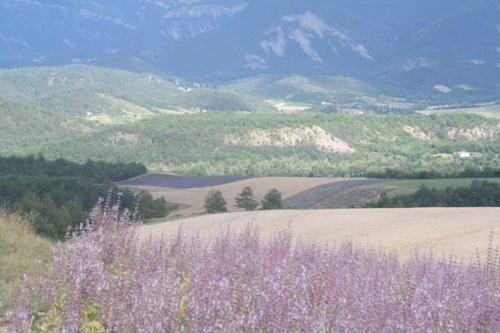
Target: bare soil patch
{"x":442,"y":231}
{"x":179,"y":182}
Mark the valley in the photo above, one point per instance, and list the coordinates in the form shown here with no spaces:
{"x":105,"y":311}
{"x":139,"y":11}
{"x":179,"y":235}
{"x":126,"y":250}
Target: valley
{"x":249,"y":166}
{"x":85,"y":112}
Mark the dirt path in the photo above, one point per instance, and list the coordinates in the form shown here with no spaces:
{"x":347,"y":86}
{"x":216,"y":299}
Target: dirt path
{"x":461,"y":231}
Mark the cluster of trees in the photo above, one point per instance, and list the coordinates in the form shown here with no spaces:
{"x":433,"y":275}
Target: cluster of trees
{"x":487,"y":172}
{"x":216,"y":203}
{"x":478,"y":194}
{"x":97,"y":171}
{"x":168,"y":143}
{"x":55,"y":195}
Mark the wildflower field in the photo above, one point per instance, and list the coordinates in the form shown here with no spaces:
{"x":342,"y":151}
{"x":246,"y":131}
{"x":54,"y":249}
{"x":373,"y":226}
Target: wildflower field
{"x":104,"y":279}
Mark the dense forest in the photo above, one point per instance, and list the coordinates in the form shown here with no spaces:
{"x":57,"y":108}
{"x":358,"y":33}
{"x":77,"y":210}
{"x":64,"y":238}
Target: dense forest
{"x":202,"y":144}
{"x":55,"y":195}
{"x":478,"y":194}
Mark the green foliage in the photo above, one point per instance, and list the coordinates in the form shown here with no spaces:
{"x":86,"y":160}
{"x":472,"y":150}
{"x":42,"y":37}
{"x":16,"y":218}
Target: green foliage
{"x":51,"y":321}
{"x":197,"y":145}
{"x":272,"y":200}
{"x":55,"y":195}
{"x":246,"y":200}
{"x":215,"y":202}
{"x":97,"y":171}
{"x":151,"y":208}
{"x":48,"y":105}
{"x":83,"y":112}
{"x":478,"y":194}
{"x":91,"y":320}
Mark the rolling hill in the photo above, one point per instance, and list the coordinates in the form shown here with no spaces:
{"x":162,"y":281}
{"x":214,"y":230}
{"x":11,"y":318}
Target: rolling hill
{"x":41,"y":105}
{"x":249,"y":127}
{"x":291,"y":144}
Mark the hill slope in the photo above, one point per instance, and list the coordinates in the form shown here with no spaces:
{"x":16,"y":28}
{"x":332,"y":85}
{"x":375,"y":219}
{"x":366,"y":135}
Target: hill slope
{"x":40,"y":105}
{"x":20,"y":249}
{"x":414,"y":46}
{"x":292,"y":144}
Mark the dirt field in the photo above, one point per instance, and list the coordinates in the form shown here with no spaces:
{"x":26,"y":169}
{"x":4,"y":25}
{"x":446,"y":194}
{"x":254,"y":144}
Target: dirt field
{"x":349,"y":193}
{"x":460,"y":231}
{"x":193,"y":199}
{"x":179,"y":182}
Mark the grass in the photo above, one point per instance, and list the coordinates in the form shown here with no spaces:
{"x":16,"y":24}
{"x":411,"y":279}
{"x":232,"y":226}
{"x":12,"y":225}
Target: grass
{"x":410,"y":186}
{"x":20,"y":250}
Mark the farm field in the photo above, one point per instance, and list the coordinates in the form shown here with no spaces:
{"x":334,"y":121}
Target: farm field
{"x":179,"y":182}
{"x":298,"y":192}
{"x":191,"y":200}
{"x":442,"y":231}
{"x":356,"y":193}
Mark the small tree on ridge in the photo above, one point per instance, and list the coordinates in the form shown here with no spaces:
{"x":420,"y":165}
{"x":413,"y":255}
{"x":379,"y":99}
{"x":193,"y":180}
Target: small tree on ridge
{"x":272,"y":200}
{"x":215,"y":202}
{"x":246,"y":200}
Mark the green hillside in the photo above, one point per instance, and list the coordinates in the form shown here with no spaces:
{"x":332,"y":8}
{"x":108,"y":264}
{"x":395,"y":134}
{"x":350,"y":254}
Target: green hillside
{"x":320,"y":92}
{"x":40,"y":105}
{"x":292,"y":144}
{"x":82,"y":112}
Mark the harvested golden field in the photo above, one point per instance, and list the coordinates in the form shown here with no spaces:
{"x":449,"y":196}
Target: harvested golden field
{"x":461,"y":231}
{"x":193,"y":199}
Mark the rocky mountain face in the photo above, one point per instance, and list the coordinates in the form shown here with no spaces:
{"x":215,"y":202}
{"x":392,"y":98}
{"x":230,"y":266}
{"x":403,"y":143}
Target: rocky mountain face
{"x":430,"y":47}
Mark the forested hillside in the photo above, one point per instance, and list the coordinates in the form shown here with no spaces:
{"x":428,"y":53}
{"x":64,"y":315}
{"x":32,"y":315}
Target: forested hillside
{"x":40,"y":105}
{"x":261,"y":126}
{"x":294,"y":144}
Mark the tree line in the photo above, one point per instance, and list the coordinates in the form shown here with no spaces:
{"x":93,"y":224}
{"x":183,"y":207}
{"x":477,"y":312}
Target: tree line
{"x":487,"y":172}
{"x":216,"y":203}
{"x":55,"y":195}
{"x":478,"y":194}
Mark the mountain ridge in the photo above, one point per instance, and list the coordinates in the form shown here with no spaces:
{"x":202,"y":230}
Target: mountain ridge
{"x":220,"y":40}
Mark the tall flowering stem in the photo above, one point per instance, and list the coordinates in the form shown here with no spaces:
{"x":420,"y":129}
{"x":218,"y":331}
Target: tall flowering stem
{"x":240,"y":283}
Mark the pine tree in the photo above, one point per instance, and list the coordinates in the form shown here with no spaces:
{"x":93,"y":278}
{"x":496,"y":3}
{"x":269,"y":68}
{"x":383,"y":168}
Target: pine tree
{"x":215,"y":202}
{"x":246,"y":200}
{"x":272,"y":200}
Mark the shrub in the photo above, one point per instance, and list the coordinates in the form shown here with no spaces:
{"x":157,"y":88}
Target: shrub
{"x":151,"y":208}
{"x":239,"y":283}
{"x":215,"y":202}
{"x":272,"y":200}
{"x":246,"y":200}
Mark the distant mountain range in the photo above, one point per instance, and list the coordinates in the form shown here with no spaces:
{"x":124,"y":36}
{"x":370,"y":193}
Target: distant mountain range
{"x":425,"y":49}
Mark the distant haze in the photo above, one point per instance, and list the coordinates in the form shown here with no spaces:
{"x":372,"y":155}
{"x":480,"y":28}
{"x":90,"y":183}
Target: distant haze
{"x":399,"y":45}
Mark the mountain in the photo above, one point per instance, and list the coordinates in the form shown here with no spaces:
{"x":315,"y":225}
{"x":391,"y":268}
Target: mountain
{"x":423,"y":49}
